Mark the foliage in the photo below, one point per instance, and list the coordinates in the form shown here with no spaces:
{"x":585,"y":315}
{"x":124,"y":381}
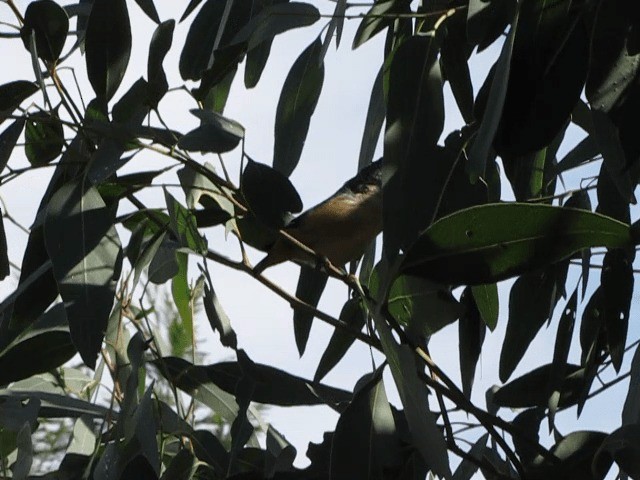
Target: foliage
{"x":449,"y":238}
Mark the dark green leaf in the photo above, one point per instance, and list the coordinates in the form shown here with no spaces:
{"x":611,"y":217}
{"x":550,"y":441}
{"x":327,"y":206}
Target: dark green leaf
{"x":281,"y":453}
{"x":547,"y":74}
{"x":575,"y":454}
{"x":8,"y":140}
{"x":164,"y":265}
{"x":181,"y":294}
{"x":198,"y":188}
{"x":623,"y":447}
{"x":44,"y":138}
{"x":532,"y":300}
{"x":149,"y":9}
{"x":425,"y":434}
{"x":487,"y":21}
{"x":631,"y":410}
{"x":12,"y":94}
{"x":216,"y":133}
{"x":365,"y":441}
{"x":50,"y":24}
{"x":471,"y":333}
{"x":4,"y":254}
{"x":376,"y":19}
{"x":107,"y":46}
{"x":52,"y":405}
{"x":24,"y":454}
{"x":617,"y":292}
{"x":296,"y":105}
{"x":84,"y":248}
{"x":255,"y":63}
{"x":269,"y":194}
{"x":615,"y":59}
{"x":197,"y":53}
{"x":584,"y":152}
{"x":190,"y":8}
{"x":218,"y":319}
{"x":352,"y":314}
{"x":160,"y":44}
{"x":311,"y":284}
{"x":493,"y":242}
{"x":421,"y":306}
{"x":467,"y":469}
{"x":49,"y":336}
{"x":183,"y":225}
{"x":182,"y":466}
{"x":274,"y":20}
{"x":413,"y":128}
{"x":454,"y":55}
{"x":483,"y":143}
{"x":486,"y":300}
{"x":336,"y":26}
{"x":373,"y":123}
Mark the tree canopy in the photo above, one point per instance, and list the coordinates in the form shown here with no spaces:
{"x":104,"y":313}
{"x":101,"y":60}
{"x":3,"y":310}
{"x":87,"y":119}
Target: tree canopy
{"x":466,"y":212}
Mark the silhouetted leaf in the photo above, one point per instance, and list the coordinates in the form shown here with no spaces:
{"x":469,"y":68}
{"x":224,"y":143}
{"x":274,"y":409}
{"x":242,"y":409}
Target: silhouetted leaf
{"x":486,"y":300}
{"x":493,"y":242}
{"x":160,"y":44}
{"x":584,"y":152}
{"x":281,"y":453}
{"x":216,"y":134}
{"x":218,"y":319}
{"x":373,"y":123}
{"x":274,"y":20}
{"x":181,"y":467}
{"x":487,"y":20}
{"x":532,"y":301}
{"x":4,"y":254}
{"x":8,"y":140}
{"x":352,"y":314}
{"x":471,"y":333}
{"x":296,"y":105}
{"x":107,"y":46}
{"x":149,"y":9}
{"x":269,"y":194}
{"x":622,"y":446}
{"x":467,"y":469}
{"x":50,"y":24}
{"x":311,"y":284}
{"x":376,"y":19}
{"x":84,"y":248}
{"x":631,"y":410}
{"x":183,"y":225}
{"x":12,"y":94}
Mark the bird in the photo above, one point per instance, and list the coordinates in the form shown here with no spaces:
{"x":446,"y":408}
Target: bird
{"x":338,"y":228}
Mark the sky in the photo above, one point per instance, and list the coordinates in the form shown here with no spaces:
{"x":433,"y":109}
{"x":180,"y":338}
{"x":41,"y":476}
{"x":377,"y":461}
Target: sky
{"x":263,"y":321}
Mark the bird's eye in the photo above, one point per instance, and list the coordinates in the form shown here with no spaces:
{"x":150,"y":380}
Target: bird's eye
{"x":365,"y":189}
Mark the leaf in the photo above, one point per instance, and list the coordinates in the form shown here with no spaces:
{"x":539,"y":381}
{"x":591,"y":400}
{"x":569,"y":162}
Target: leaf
{"x":270,"y":195}
{"x":12,"y":94}
{"x":454,"y":56}
{"x":281,"y":453}
{"x":336,"y":25}
{"x":487,"y":21}
{"x":354,"y":315}
{"x":310,"y":286}
{"x":158,"y":48}
{"x":107,"y":46}
{"x":575,"y":454}
{"x":298,"y":100}
{"x":8,"y":140}
{"x":181,"y":467}
{"x":471,"y":332}
{"x":85,"y":251}
{"x":376,"y":20}
{"x":52,"y":405}
{"x":467,"y":469}
{"x":365,"y":441}
{"x":373,"y":123}
{"x":584,"y":152}
{"x":22,"y":465}
{"x":425,"y":434}
{"x":481,"y":147}
{"x":486,"y":300}
{"x":493,"y":242}
{"x":181,"y":294}
{"x":631,"y":409}
{"x":616,"y":281}
{"x":548,"y":70}
{"x":531,"y":389}
{"x":622,"y":446}
{"x":50,"y":24}
{"x":164,"y":265}
{"x":4,"y":255}
{"x":49,"y":336}
{"x":614,"y":57}
{"x":149,"y":9}
{"x":142,"y":432}
{"x":255,"y":62}
{"x":218,"y":319}
{"x":190,"y":8}
{"x":271,"y":385}
{"x":532,"y":301}
{"x":422,"y":306}
{"x":183,"y":224}
{"x":412,"y":132}
{"x":83,"y":439}
{"x":216,"y":134}
{"x":276,"y":19}
{"x":44,"y":138}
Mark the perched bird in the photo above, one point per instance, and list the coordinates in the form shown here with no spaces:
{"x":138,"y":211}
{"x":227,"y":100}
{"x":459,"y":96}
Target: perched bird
{"x":339,"y":228}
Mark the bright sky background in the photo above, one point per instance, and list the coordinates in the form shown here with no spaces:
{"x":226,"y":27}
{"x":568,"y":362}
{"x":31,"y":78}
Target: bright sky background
{"x":263,"y":321}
